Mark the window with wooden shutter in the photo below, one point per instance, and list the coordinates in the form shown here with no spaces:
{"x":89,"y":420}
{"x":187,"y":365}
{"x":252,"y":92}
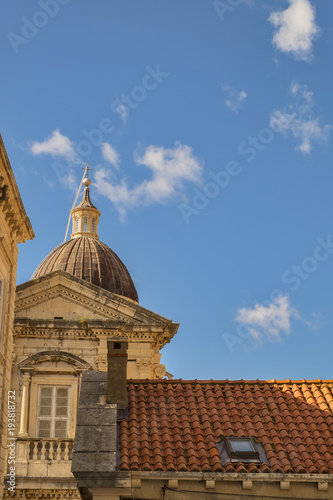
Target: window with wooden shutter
{"x":53,"y":411}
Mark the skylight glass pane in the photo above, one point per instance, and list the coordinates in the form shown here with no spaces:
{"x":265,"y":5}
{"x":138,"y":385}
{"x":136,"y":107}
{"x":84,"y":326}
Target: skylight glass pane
{"x":241,"y":446}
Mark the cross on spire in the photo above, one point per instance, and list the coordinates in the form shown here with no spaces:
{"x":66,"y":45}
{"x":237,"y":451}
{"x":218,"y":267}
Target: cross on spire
{"x":87,"y":169}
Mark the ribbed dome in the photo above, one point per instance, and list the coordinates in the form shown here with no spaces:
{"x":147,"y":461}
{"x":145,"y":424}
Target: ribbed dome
{"x":92,"y":261}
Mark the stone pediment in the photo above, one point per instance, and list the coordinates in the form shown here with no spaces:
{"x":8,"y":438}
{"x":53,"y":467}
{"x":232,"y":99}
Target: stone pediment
{"x":59,"y":295}
{"x":53,"y":360}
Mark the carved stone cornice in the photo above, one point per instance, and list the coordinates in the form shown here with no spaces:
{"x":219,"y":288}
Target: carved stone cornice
{"x":158,"y":338}
{"x":33,"y":494}
{"x":113,"y":315}
{"x":12,"y":204}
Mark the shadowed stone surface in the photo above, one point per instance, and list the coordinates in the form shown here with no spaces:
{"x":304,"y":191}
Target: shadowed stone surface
{"x":91,"y":415}
{"x":95,"y":438}
{"x":95,"y":443}
{"x":117,"y":372}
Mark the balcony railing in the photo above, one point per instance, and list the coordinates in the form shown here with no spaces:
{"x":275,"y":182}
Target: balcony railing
{"x":50,"y":449}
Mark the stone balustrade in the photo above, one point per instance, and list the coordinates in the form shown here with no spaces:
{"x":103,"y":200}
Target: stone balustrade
{"x":49,"y":449}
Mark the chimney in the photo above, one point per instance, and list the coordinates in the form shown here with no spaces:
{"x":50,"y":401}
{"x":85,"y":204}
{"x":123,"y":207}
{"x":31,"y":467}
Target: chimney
{"x":116,"y":390}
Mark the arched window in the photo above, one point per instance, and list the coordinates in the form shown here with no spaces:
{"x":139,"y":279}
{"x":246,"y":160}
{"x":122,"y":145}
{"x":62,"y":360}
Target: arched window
{"x":76,"y":225}
{"x":93,"y":225}
{"x":85,"y":224}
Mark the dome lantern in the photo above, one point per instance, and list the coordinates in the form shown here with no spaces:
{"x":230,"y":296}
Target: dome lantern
{"x":85,"y":215}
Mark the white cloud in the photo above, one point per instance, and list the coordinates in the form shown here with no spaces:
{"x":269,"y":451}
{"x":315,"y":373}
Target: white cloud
{"x":57,"y":145}
{"x":122,"y":111}
{"x":299,"y":120}
{"x":170,"y":169}
{"x":235,"y":98}
{"x":68,"y":180}
{"x":49,"y":183}
{"x":268,"y":322}
{"x":296,"y":29}
{"x":316,"y":322}
{"x":110,"y":154}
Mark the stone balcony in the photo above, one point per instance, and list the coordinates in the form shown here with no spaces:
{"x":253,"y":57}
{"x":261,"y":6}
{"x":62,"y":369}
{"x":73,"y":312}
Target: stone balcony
{"x":38,"y":457}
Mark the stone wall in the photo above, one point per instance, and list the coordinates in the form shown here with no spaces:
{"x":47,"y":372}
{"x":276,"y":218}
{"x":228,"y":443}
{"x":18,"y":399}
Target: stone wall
{"x":15,"y":228}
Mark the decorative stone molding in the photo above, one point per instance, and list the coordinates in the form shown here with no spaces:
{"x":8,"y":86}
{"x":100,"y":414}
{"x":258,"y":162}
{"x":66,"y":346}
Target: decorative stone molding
{"x":26,"y":380}
{"x":41,"y":494}
{"x":101,"y":362}
{"x":144,"y":367}
{"x":144,"y":363}
{"x":158,"y":338}
{"x":159,"y":370}
{"x":30,"y":362}
{"x":12,"y":204}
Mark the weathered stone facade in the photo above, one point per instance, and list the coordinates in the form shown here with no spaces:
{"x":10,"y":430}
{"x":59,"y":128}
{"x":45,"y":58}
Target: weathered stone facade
{"x":15,"y":228}
{"x":61,"y":328}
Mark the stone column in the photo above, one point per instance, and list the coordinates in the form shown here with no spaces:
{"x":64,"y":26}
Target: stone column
{"x":23,"y":432}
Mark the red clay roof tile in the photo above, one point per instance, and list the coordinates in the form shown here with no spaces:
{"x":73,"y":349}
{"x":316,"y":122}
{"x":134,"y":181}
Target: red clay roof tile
{"x":178,"y":423}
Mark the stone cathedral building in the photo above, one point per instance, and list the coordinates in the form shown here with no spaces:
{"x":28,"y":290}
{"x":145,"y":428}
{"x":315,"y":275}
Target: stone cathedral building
{"x":80,"y":296}
{"x":99,"y":417}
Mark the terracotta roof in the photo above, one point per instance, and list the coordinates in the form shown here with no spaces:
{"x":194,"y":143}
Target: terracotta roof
{"x":92,"y":261}
{"x":174,"y":424}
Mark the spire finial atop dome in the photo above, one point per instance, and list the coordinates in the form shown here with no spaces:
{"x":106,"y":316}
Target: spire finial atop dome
{"x":86,"y":181}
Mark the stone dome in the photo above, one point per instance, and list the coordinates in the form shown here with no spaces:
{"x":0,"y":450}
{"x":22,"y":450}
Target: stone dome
{"x":93,"y":261}
{"x":85,"y":257}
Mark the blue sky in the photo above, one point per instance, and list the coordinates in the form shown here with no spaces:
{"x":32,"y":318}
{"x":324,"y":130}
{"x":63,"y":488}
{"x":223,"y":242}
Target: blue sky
{"x":209,"y":126}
